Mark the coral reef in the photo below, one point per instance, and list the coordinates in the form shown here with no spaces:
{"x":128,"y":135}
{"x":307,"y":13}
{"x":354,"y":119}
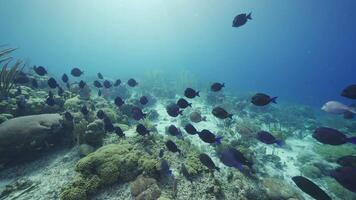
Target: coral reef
{"x":144,"y":188}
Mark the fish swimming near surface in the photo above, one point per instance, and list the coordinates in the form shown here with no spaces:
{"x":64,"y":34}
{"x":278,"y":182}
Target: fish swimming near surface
{"x":190,"y":129}
{"x":346,"y":176}
{"x":137,"y":113}
{"x":221,"y":113}
{"x":173,"y":110}
{"x":97,"y":84}
{"x":241,"y":20}
{"x":233,"y":158}
{"x":209,"y":137}
{"x":310,"y":188}
{"x":143,"y":100}
{"x":349,"y":92}
{"x":41,"y":71}
{"x":52,"y":83}
{"x":171,"y":146}
{"x":132,"y":82}
{"x":268,"y":138}
{"x":76,"y":72}
{"x":182,"y":103}
{"x":208,"y":162}
{"x":191,"y":93}
{"x":107,"y":84}
{"x":196,"y":117}
{"x":216,"y":87}
{"x":335,"y":107}
{"x":142,"y":130}
{"x":100,"y":76}
{"x":332,"y":136}
{"x":118,"y":101}
{"x":65,"y":78}
{"x":261,"y":99}
{"x":347,"y":161}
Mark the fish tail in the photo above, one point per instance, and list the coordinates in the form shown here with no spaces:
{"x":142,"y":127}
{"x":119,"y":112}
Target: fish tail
{"x":280,"y":142}
{"x":217,"y":168}
{"x":352,"y":140}
{"x":223,"y":85}
{"x":218,"y":139}
{"x":274,"y":100}
{"x":197,"y":93}
{"x":230,"y":116}
{"x":181,"y":112}
{"x":249,"y":16}
{"x":190,"y":104}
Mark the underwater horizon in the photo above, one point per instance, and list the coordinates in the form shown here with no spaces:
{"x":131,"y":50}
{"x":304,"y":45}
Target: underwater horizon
{"x":177,"y":99}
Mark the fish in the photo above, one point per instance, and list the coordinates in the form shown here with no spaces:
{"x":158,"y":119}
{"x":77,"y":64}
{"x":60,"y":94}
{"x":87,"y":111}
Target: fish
{"x":310,"y":188}
{"x":346,"y":176}
{"x":268,"y":138}
{"x":108,"y":126}
{"x":186,"y":173}
{"x":50,"y":101}
{"x":241,"y":20}
{"x":107,"y":84}
{"x":65,"y":78}
{"x":348,"y":115}
{"x":165,"y":169}
{"x":84,"y":110}
{"x":21,"y":78}
{"x":233,"y":158}
{"x":161,"y":153}
{"x":132,"y":82}
{"x":190,"y":129}
{"x":347,"y":161}
{"x":142,"y":130}
{"x":52,"y":83}
{"x":21,"y":103}
{"x":68,"y":116}
{"x":119,"y":131}
{"x":100,"y":76}
{"x":173,"y":110}
{"x":191,"y":93}
{"x":76,"y":72}
{"x":171,"y":146}
{"x":100,"y":114}
{"x":118,"y":101}
{"x":117,"y":83}
{"x":143,"y":100}
{"x":206,"y":160}
{"x":137,"y":113}
{"x":335,"y":107}
{"x":332,"y":136}
{"x":99,"y":93}
{"x":41,"y":71}
{"x":196,"y":117}
{"x":82,"y":84}
{"x":60,"y":91}
{"x":216,"y":87}
{"x":173,"y":130}
{"x":34,"y":83}
{"x":261,"y":99}
{"x":182,"y":103}
{"x":209,"y":137}
{"x":97,"y":84}
{"x":221,"y":113}
{"x":349,"y":92}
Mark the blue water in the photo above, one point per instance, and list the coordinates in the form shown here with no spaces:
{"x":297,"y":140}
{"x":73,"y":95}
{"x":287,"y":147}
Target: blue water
{"x":301,"y":51}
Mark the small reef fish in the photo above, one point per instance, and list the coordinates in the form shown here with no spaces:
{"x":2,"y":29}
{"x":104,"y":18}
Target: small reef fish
{"x":82,"y":84}
{"x":209,"y":137}
{"x":117,"y":83}
{"x":233,"y":158}
{"x":76,"y":72}
{"x":137,"y":113}
{"x":268,"y":138}
{"x":221,"y":113}
{"x":99,"y":93}
{"x":310,"y":188}
{"x":143,"y":100}
{"x":108,"y":126}
{"x":21,"y":78}
{"x":206,"y":160}
{"x":65,"y":78}
{"x":182,"y":103}
{"x":190,"y":129}
{"x":52,"y":83}
{"x":346,"y":176}
{"x":191,"y":93}
{"x":349,"y":92}
{"x":68,"y":116}
{"x":142,"y":130}
{"x":41,"y":71}
{"x":165,"y":169}
{"x":132,"y":82}
{"x":261,"y":99}
{"x":100,"y":76}
{"x":216,"y":87}
{"x":171,"y":146}
{"x":241,"y":20}
{"x":119,"y":131}
{"x":161,"y":153}
{"x":84,"y":110}
{"x":174,"y":131}
{"x":97,"y":84}
{"x":332,"y":136}
{"x":173,"y":110}
{"x":118,"y":101}
{"x":100,"y":114}
{"x":347,"y":161}
{"x":335,"y":107}
{"x":107,"y":84}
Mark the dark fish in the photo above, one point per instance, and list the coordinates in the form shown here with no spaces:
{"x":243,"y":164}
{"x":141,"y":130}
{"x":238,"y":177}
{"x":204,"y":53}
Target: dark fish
{"x":68,"y":116}
{"x":215,"y":87}
{"x":137,"y":113}
{"x":206,"y":160}
{"x":346,"y":176}
{"x":221,"y":113}
{"x":142,"y":130}
{"x":107,"y":84}
{"x":84,"y":110}
{"x":76,"y":72}
{"x":171,"y":146}
{"x":310,"y":188}
{"x":60,"y":91}
{"x":99,"y":93}
{"x":40,"y":70}
{"x":119,"y":131}
{"x":348,"y":115}
{"x":65,"y":78}
{"x":132,"y":82}
{"x":97,"y":84}
{"x":100,"y":114}
{"x":52,"y":83}
{"x":82,"y":84}
{"x":191,"y":93}
{"x":261,"y":99}
{"x":21,"y":78}
{"x":186,"y":173}
{"x":173,"y":130}
{"x":233,"y":158}
{"x":190,"y":129}
{"x":349,"y":92}
{"x":100,"y":76}
{"x":182,"y":103}
{"x":347,"y":161}
{"x":161,"y":153}
{"x":209,"y":137}
{"x":118,"y":101}
{"x":108,"y":126}
{"x":143,"y":100}
{"x":50,"y":101}
{"x":117,"y":83}
{"x":332,"y":136}
{"x":34,"y":83}
{"x":173,"y":110}
{"x":50,"y":94}
{"x":21,"y":103}
{"x":268,"y":138}
{"x":241,"y":20}
{"x":165,"y":169}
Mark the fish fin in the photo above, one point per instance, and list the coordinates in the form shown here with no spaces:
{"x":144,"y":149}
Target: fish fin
{"x":217,"y":168}
{"x":249,"y":16}
{"x":230,"y":116}
{"x":239,"y":166}
{"x":218,"y":139}
{"x":352,"y":140}
{"x":190,"y":104}
{"x":273,"y":100}
{"x":197,"y":93}
{"x":181,"y":112}
{"x":280,"y":142}
{"x":223,"y":85}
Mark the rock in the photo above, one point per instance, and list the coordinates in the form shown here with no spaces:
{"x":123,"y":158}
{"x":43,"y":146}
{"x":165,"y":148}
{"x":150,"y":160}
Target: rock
{"x":279,"y":190}
{"x":85,"y":149}
{"x":23,"y":136}
{"x":94,"y":133}
{"x":145,"y":188}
